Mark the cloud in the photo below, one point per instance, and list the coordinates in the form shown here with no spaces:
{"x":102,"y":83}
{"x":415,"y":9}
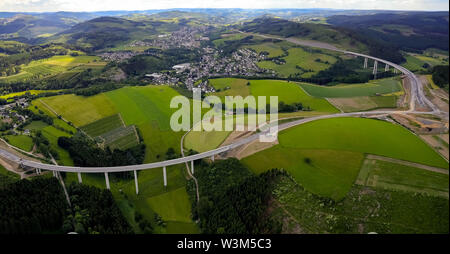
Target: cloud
{"x":102,"y":5}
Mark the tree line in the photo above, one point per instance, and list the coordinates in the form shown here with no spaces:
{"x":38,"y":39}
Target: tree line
{"x":86,"y":153}
{"x":39,"y":206}
{"x":232,"y":199}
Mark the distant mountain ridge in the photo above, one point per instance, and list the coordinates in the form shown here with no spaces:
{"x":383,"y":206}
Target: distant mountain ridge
{"x":409,"y":31}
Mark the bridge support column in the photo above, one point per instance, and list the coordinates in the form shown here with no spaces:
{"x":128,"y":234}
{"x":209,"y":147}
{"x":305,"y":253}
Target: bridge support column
{"x":192,"y":166}
{"x":375,"y":69}
{"x":365,"y":63}
{"x":38,"y":171}
{"x":136,"y":182}
{"x":79,"y":178}
{"x":165,"y":176}
{"x":386,"y":68}
{"x":107,"y":181}
{"x":54,"y":174}
{"x":212,"y":158}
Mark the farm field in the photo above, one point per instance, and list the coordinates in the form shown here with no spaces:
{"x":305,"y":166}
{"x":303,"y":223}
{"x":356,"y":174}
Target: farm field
{"x":151,"y":190}
{"x":87,"y":109}
{"x":176,"y":208}
{"x":362,"y":135}
{"x":21,"y":141}
{"x":52,"y":134}
{"x":32,"y":92}
{"x":230,"y":87}
{"x":52,"y":66}
{"x":389,"y":175}
{"x":228,"y":37}
{"x":309,"y":63}
{"x":121,"y":138}
{"x":289,"y":93}
{"x":103,"y":125}
{"x":415,"y":62}
{"x":325,"y":156}
{"x":273,"y":49}
{"x":202,"y":141}
{"x":381,"y":86}
{"x":354,"y":104}
{"x":364,"y":210}
{"x":147,"y":108}
{"x":325,"y":172}
{"x":38,"y":107}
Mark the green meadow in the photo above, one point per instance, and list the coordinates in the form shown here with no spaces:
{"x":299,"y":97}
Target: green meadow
{"x":171,"y":202}
{"x":52,"y":134}
{"x":389,"y":175}
{"x":148,"y":109}
{"x":202,"y":141}
{"x":273,"y":49}
{"x":53,"y":66}
{"x":300,"y":61}
{"x":325,"y":156}
{"x":415,"y":62}
{"x":325,"y":172}
{"x":230,"y":87}
{"x":23,"y":142}
{"x":381,"y":86}
{"x":7,"y":177}
{"x":228,"y":37}
{"x":289,"y":93}
{"x":103,"y":125}
{"x":362,"y":135}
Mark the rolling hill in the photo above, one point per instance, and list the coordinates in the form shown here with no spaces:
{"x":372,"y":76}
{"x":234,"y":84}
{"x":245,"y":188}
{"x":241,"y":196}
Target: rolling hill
{"x":342,"y":37}
{"x":409,"y":31}
{"x":107,"y":32}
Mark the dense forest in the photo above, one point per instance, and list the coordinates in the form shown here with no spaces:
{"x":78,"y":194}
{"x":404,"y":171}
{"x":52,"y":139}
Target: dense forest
{"x":232,"y":199}
{"x":343,"y":71}
{"x":39,"y":206}
{"x":412,"y":31}
{"x":32,"y":207}
{"x":86,"y":153}
{"x":440,"y":75}
{"x":24,"y":54}
{"x":286,"y":28}
{"x":94,"y":211}
{"x":156,"y":60}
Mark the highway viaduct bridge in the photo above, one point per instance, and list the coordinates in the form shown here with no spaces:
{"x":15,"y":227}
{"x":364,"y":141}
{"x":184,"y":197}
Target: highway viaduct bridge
{"x":416,"y":96}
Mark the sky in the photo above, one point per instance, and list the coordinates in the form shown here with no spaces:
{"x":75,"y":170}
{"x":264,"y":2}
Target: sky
{"x":105,"y":5}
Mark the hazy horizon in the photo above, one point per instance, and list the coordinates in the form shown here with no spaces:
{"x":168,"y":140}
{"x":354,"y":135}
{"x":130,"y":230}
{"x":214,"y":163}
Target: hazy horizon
{"x":142,"y":5}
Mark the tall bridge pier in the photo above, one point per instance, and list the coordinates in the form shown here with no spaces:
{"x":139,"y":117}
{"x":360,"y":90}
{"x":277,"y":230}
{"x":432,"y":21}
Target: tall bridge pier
{"x":366,"y":62}
{"x":107,"y":181}
{"x":136,"y":182}
{"x":375,"y":69}
{"x":386,"y":68}
{"x":165,"y":176}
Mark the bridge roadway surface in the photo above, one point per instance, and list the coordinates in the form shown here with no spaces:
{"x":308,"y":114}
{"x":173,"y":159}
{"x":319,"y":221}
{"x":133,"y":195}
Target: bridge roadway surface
{"x":417,"y":95}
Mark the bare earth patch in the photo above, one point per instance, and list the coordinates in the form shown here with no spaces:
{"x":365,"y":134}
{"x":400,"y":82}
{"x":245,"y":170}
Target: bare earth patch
{"x":437,"y":96}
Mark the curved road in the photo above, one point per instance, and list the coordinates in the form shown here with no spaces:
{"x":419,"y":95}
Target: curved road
{"x":416,"y":96}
